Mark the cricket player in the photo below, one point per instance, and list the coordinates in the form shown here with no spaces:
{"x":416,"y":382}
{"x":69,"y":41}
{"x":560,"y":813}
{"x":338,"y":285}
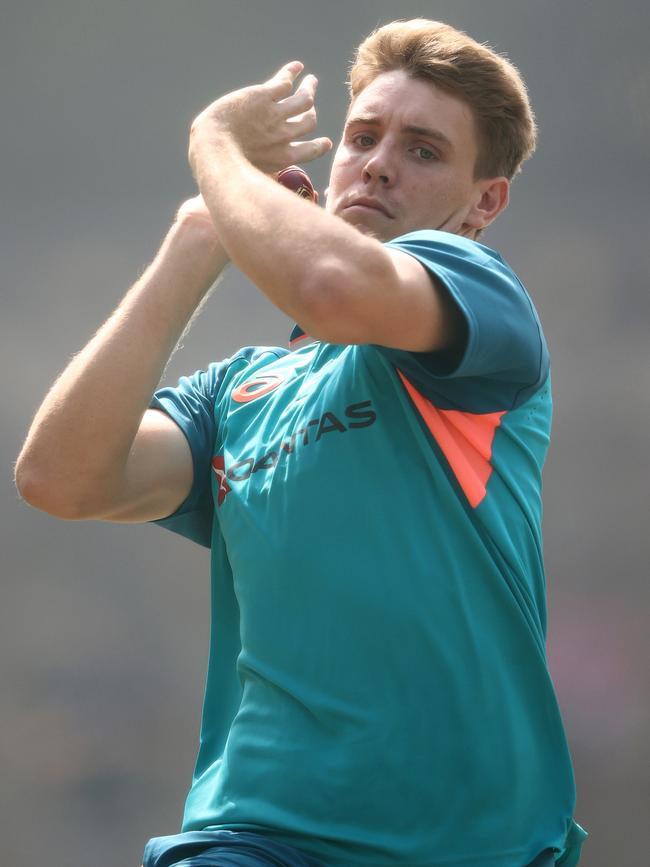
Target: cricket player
{"x":377,"y":691}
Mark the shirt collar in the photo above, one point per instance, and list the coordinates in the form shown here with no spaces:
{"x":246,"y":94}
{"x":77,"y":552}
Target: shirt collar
{"x":300,"y":338}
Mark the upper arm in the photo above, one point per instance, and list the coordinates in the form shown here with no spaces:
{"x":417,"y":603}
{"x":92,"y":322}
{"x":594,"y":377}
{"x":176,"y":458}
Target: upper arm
{"x":397,"y":303}
{"x":429,"y":291}
{"x":418,"y":313}
{"x":158,"y":475}
{"x":502,"y":357}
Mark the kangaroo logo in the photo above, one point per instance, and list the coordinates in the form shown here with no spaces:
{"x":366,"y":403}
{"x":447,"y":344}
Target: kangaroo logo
{"x":219,"y":468}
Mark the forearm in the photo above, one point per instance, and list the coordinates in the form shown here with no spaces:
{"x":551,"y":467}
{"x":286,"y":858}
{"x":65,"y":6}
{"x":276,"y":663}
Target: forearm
{"x":85,"y":427}
{"x":294,"y":252}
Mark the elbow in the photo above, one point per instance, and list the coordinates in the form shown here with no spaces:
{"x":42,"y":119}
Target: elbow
{"x":29,"y":486}
{"x":26,"y":482}
{"x":321,"y":304}
{"x":48,"y":494}
{"x":331,"y":303}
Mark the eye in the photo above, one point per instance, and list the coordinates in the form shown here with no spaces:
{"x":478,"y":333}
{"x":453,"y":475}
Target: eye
{"x":363,"y":140}
{"x":426,"y":154}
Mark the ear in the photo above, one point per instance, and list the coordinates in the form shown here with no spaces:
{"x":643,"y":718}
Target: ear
{"x":492,"y":197}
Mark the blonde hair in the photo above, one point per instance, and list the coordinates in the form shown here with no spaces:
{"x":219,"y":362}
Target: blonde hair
{"x":475,"y":73}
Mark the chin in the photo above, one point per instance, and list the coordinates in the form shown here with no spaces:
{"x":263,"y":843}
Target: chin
{"x":365,"y":229}
{"x":369,"y":231}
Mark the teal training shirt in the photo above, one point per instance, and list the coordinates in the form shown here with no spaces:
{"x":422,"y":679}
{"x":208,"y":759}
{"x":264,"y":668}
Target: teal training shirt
{"x":377,"y":690}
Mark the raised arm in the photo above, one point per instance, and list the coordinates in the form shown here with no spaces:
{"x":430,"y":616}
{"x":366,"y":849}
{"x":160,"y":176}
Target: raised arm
{"x":340,"y":284}
{"x":94,"y":450}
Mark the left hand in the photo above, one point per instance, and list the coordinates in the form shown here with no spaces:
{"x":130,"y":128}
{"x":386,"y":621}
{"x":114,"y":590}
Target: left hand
{"x":263,"y":122}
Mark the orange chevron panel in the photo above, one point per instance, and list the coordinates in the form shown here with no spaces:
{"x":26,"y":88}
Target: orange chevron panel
{"x":465,"y":438}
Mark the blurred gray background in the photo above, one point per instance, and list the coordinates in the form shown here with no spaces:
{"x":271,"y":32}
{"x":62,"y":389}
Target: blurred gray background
{"x":104,"y":628}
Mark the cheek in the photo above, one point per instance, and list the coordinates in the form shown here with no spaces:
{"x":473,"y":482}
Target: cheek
{"x":442,"y":192}
{"x":341,"y":173}
{"x":344,"y":162}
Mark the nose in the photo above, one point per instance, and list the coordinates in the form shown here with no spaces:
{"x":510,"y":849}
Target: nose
{"x":379,"y":167}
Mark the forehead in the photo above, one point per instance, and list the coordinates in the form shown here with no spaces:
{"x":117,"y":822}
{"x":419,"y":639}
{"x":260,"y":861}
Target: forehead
{"x":395,"y":97}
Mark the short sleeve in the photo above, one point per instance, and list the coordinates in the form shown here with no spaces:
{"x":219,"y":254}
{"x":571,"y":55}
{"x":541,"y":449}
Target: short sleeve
{"x":505,"y":358}
{"x":194,"y":405}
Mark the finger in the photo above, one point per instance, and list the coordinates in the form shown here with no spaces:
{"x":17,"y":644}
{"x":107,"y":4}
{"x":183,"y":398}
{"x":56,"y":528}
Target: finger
{"x":301,"y":100}
{"x":301,"y":125}
{"x":282,"y":82}
{"x":306,"y":151}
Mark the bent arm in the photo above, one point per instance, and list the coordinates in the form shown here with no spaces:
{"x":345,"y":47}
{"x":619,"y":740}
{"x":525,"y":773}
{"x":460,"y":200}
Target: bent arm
{"x":94,"y":450}
{"x":340,"y":285}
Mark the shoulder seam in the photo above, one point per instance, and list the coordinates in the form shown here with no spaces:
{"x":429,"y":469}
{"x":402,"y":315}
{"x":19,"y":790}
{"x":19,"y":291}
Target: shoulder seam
{"x":537,"y":382}
{"x":241,"y":357}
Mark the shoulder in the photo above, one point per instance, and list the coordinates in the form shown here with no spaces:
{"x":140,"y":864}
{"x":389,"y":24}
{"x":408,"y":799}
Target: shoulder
{"x":209,"y":381}
{"x":505,"y":344}
{"x":453,"y":255}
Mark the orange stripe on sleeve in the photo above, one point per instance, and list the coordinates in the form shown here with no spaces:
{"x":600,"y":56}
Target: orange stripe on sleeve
{"x":465,"y":438}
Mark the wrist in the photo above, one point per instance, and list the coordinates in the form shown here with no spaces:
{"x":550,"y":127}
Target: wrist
{"x":194,"y":236}
{"x":211,"y":148}
{"x":193,"y":253}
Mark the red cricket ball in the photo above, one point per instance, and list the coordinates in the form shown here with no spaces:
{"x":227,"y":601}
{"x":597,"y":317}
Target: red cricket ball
{"x":296,"y":179}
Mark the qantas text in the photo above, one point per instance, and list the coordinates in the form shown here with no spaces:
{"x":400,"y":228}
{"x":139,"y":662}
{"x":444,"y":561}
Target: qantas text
{"x":357,"y":415}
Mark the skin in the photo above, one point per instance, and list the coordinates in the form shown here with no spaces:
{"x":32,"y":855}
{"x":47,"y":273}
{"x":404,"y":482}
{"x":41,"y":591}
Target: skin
{"x":344,"y":286}
{"x":94,"y":450}
{"x":413,"y":147}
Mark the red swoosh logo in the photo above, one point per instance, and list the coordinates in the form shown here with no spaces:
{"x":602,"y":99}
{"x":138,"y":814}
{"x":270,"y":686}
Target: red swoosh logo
{"x":256,"y":387}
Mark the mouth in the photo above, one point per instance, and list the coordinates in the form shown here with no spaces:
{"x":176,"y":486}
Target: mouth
{"x":365,"y":203}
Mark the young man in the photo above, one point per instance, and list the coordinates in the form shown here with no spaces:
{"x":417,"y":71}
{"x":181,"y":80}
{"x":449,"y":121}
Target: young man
{"x":377,"y":692}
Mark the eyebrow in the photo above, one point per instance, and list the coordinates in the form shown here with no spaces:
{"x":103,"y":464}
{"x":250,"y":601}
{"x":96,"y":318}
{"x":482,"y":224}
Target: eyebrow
{"x":425,"y":131}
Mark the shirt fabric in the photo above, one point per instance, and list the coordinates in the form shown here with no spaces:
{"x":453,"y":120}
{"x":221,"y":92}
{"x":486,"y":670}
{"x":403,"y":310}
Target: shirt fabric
{"x":377,"y":690}
{"x":212,"y":848}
